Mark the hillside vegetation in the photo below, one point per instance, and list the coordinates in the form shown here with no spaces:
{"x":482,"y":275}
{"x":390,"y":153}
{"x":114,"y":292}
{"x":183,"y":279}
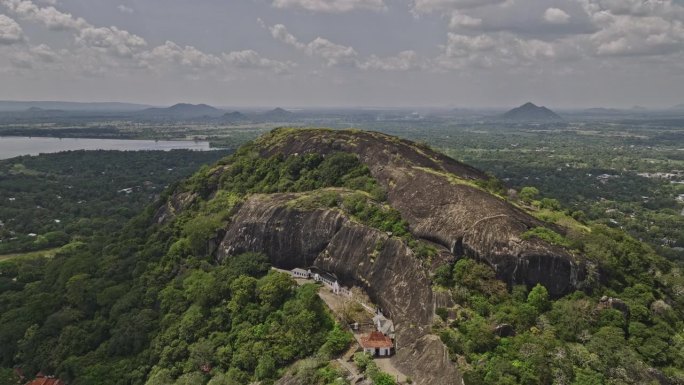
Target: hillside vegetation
{"x":162,"y":302}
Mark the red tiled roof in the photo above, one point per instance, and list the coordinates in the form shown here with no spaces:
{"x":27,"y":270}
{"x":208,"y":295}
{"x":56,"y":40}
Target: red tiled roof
{"x":376,"y":340}
{"x":46,"y":381}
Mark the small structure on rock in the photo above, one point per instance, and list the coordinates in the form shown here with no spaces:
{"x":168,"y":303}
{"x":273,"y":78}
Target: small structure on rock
{"x":384,"y":325}
{"x":504,"y":330}
{"x":301,"y":273}
{"x":377,"y":344}
{"x":326,"y":278}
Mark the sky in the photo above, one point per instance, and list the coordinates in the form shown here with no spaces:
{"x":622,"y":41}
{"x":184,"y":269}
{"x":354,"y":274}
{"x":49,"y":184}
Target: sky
{"x":345,"y":53}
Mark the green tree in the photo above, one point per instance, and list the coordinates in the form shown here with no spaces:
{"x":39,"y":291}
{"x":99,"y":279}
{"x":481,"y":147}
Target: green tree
{"x":273,"y":289}
{"x":539,"y":298}
{"x":199,"y":230}
{"x":336,"y":341}
{"x":528,"y":194}
{"x":587,"y":377}
{"x":443,"y":276}
{"x":266,"y":368}
{"x":383,"y":379}
{"x":8,"y":377}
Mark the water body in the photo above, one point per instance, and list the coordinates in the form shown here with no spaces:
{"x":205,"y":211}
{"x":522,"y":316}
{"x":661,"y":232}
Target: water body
{"x":11,"y":146}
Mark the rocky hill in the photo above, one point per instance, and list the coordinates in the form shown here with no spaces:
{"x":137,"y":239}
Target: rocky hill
{"x":529,"y":112}
{"x":445,"y":205}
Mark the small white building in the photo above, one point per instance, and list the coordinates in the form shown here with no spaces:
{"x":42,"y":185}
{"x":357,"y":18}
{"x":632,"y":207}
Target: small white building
{"x":377,"y":344}
{"x":384,"y":325}
{"x":301,"y":273}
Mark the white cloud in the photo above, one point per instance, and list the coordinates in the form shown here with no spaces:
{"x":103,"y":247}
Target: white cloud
{"x":187,"y":56}
{"x":459,"y":19}
{"x":333,"y":54}
{"x":171,"y":56}
{"x":45,"y":53}
{"x":404,"y":61}
{"x":48,"y":16}
{"x":427,"y":6}
{"x":639,"y":7}
{"x":491,"y":50}
{"x":124,"y":9}
{"x":463,"y":45}
{"x":556,"y":16}
{"x":26,"y":57}
{"x":332,"y":6}
{"x":338,"y":55}
{"x":534,"y":49}
{"x":97,"y":46}
{"x":10,"y":31}
{"x":252,"y":59}
{"x":279,"y":32}
{"x":631,"y":27}
{"x":112,"y":40}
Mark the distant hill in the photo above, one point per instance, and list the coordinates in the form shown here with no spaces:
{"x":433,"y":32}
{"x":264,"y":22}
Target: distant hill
{"x":529,"y":112}
{"x":234,"y":116}
{"x":183,"y":111}
{"x":10,"y":105}
{"x":278,"y":113}
{"x":601,"y":111}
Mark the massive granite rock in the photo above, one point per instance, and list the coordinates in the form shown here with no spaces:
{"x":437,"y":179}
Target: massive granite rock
{"x":441,"y":200}
{"x":438,"y":196}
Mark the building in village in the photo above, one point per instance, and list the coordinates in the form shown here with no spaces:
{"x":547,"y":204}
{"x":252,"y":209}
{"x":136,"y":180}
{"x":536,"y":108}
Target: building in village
{"x":377,"y":344}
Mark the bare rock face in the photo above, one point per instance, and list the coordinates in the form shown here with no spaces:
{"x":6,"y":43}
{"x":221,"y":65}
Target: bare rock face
{"x":428,"y":356}
{"x":326,"y":238}
{"x":438,"y":197}
{"x":176,"y":203}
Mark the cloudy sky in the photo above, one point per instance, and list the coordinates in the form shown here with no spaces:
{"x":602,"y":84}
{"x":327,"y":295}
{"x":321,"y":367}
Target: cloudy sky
{"x":560,"y":53}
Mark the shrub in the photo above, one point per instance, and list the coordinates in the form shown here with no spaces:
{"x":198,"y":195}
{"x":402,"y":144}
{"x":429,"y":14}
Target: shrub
{"x":546,"y":235}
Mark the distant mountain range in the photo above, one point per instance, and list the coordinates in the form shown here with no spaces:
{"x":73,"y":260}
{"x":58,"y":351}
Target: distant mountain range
{"x":530,"y":112}
{"x":183,"y":111}
{"x":12,"y":111}
{"x":16,"y":106}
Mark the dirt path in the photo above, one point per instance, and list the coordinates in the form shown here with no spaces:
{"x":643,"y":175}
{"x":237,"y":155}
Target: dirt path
{"x":385,"y":364}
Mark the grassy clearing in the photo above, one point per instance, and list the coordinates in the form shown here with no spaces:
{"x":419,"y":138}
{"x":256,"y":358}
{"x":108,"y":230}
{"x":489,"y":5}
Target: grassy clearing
{"x":47,"y":253}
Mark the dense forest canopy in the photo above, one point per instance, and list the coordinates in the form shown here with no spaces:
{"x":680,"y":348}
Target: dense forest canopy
{"x":59,"y":197}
